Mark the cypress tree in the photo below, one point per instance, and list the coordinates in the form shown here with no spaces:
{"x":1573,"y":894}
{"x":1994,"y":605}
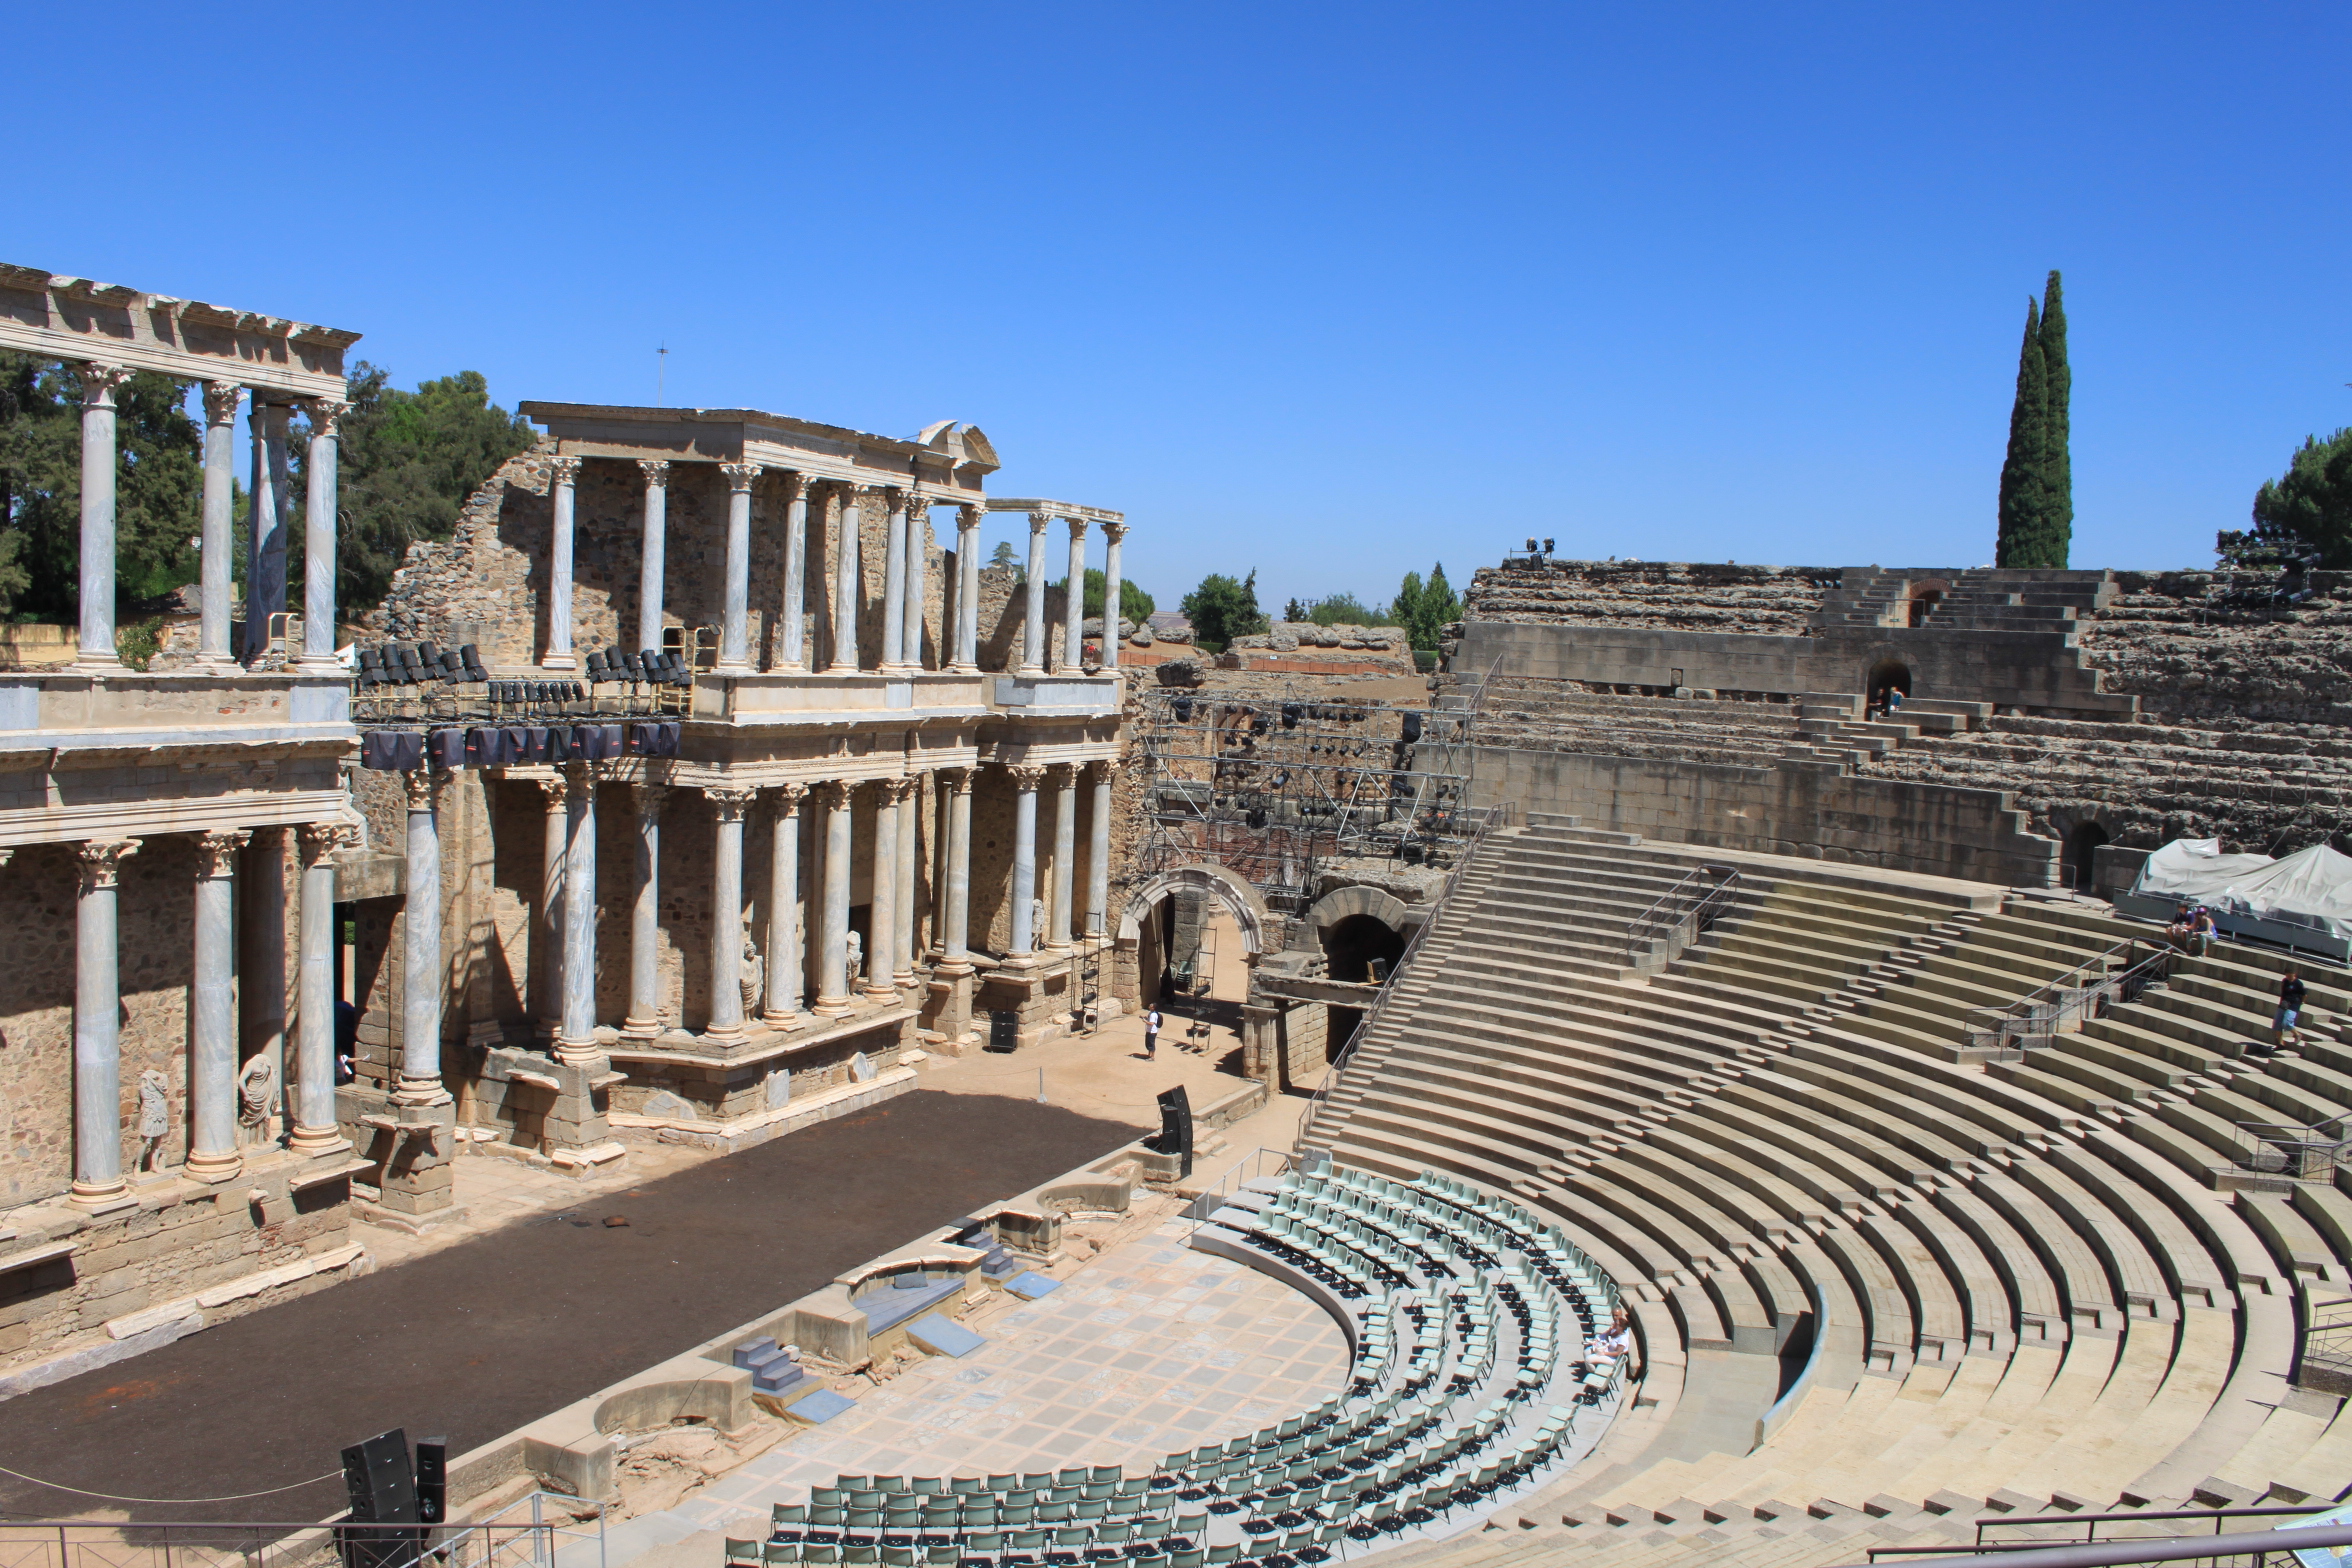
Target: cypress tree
{"x":2057,"y":463}
{"x":2024,"y":470}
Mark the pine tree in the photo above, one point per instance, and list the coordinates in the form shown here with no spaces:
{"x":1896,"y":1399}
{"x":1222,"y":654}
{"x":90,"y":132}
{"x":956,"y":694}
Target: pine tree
{"x":2057,"y":464}
{"x":2023,"y":471}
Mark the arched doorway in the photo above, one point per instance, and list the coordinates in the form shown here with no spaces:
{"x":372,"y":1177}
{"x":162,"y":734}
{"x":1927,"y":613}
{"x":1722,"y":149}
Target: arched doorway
{"x":1353,"y":946}
{"x":1887,"y":675}
{"x":1149,"y":926}
{"x":2075,"y":868}
{"x":1925,"y":596}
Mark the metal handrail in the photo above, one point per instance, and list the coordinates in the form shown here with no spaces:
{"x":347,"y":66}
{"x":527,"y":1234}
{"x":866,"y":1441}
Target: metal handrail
{"x":1654,"y":926}
{"x":2257,"y":1544}
{"x":2068,"y":998}
{"x":1493,"y":817}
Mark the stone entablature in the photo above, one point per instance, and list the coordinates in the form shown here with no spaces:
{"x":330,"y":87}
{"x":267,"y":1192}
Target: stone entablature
{"x":77,"y":320}
{"x":948,"y":462}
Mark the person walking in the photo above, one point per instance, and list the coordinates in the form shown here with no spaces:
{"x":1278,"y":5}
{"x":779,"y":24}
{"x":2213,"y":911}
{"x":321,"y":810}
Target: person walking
{"x":2290,"y":1012}
{"x":1151,"y":1034}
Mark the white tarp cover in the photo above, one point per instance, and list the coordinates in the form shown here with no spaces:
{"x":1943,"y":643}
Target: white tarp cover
{"x":2312,"y":887}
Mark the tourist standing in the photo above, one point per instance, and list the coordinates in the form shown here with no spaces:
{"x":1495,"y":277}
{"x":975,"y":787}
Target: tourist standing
{"x":2290,"y":1011}
{"x":1151,"y":1034}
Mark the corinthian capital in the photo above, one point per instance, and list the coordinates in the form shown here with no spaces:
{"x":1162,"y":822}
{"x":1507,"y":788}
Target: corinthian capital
{"x":423,"y":785}
{"x":832,"y":794}
{"x":553,"y":788}
{"x":731,"y":801}
{"x":796,"y":485}
{"x":1039,"y":522}
{"x":894,"y":791}
{"x":740,"y":476}
{"x":1114,"y":532}
{"x":325,"y":414}
{"x":101,"y":860}
{"x":97,"y":383}
{"x":968,"y":515}
{"x":787,"y":797}
{"x":220,"y":402}
{"x":563,"y":470}
{"x":657,"y":472}
{"x":1026,"y":776}
{"x":216,"y":852}
{"x":1078,"y":527}
{"x":1100,"y":770}
{"x":321,"y":839}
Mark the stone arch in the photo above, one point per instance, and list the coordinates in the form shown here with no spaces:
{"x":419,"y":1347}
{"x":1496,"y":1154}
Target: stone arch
{"x":1241,"y":901}
{"x":1923,"y":596}
{"x":1341,"y":902}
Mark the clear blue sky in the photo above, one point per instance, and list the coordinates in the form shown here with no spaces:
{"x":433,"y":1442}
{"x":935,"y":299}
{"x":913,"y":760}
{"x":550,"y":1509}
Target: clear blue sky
{"x":1328,"y":291}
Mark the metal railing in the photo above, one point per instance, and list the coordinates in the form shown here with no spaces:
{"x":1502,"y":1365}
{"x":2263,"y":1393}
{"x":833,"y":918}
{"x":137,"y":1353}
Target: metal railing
{"x":2309,"y":1545}
{"x":1256,"y":1165}
{"x":2060,"y":1006}
{"x":2327,"y":1348}
{"x":1681,"y":915}
{"x":2304,"y":1153}
{"x":527,"y":1533}
{"x":1492,"y":818}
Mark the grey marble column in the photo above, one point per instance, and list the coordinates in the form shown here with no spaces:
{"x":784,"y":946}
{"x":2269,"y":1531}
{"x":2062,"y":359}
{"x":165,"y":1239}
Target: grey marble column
{"x":651,"y":568}
{"x":1074,"y":601}
{"x":1113,"y":535}
{"x":1033,"y":618}
{"x":318,"y":534}
{"x":833,"y":977}
{"x":955,"y":937}
{"x":547,"y":930}
{"x":786,"y":954}
{"x":563,"y":478}
{"x":212,"y":1053}
{"x":882,"y":900}
{"x":847,"y":585}
{"x":423,"y":982}
{"x":1062,"y":918}
{"x":894,"y":572}
{"x":735,"y":616}
{"x":97,"y":544}
{"x":262,"y":949}
{"x":730,"y":804}
{"x":575,"y":1041}
{"x":1026,"y":778}
{"x":268,"y":520}
{"x":98,"y":1113}
{"x":795,"y":653}
{"x":1098,"y":851}
{"x":644,"y":1018}
{"x":902,"y":944}
{"x":967,"y":617}
{"x":918,"y":565}
{"x":315,"y":1130}
{"x":215,"y":561}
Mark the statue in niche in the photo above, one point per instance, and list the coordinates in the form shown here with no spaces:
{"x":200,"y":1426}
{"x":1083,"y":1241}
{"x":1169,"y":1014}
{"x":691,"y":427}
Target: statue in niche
{"x":154,"y":1117}
{"x":257,"y":1089}
{"x":857,"y":955}
{"x":753,"y":976}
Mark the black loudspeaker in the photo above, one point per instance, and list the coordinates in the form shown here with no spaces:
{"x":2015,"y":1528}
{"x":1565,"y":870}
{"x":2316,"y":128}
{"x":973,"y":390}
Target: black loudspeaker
{"x":1004,"y":1031}
{"x":382,"y":1490}
{"x":1175,"y":1134}
{"x":432,"y":1479}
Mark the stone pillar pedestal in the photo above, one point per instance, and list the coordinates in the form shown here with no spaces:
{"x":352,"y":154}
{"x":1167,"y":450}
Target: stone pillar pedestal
{"x":1261,"y":1058}
{"x":418,"y":1189}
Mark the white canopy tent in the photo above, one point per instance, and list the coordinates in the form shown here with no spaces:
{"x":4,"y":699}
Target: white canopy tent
{"x":2311,"y":888}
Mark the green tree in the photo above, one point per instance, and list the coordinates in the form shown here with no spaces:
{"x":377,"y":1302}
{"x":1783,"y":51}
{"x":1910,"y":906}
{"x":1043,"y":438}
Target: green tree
{"x":1345,"y":609}
{"x":2036,"y":508}
{"x":1134,"y":603}
{"x":1004,"y":557}
{"x":1223,"y":608}
{"x":158,"y":489}
{"x":405,"y":464}
{"x":2309,"y":508}
{"x":1426,"y":609}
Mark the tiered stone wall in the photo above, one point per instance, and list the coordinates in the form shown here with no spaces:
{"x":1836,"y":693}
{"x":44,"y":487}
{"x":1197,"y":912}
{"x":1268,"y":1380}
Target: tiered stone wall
{"x":2200,"y":646}
{"x":1691,"y":596}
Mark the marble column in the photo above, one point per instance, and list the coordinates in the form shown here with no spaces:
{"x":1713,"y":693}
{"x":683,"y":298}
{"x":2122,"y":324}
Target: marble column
{"x":956,"y":933}
{"x":97,"y":545}
{"x":1033,"y":619}
{"x":918,"y":566}
{"x":735,"y":618}
{"x":1113,"y":534}
{"x":882,"y":901}
{"x":1062,"y":917}
{"x":846,"y":584}
{"x":902,"y":941}
{"x":894,"y":573}
{"x":318,"y":535}
{"x":214,"y":558}
{"x":730,"y":804}
{"x":575,"y":1039}
{"x":833,"y":977}
{"x":786,"y":960}
{"x":644,"y":1018}
{"x":268,"y":509}
{"x":967,"y":621}
{"x":650,"y":569}
{"x":1026,"y":777}
{"x":1098,"y":851}
{"x":212,"y":1053}
{"x":1074,"y":602}
{"x":547,"y":929}
{"x":794,"y":655}
{"x":563,"y":478}
{"x":98,"y":1112}
{"x":262,"y":949}
{"x":315,"y":1130}
{"x":423,"y":982}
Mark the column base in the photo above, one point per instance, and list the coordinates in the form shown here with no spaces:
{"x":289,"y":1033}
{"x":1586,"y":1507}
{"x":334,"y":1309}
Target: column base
{"x":880,"y":993}
{"x":639,"y":1029}
{"x":952,"y":969}
{"x":734,"y":667}
{"x":318,"y":664}
{"x":963,"y":669}
{"x":903,"y":978}
{"x":314,"y":1141}
{"x":578,"y":1053}
{"x":833,"y":1007}
{"x":98,"y":1197}
{"x":783,"y":1023}
{"x":420,"y":1091}
{"x":213,"y":1169}
{"x":560,"y":661}
{"x":1031,"y":672}
{"x":725,"y":1034}
{"x":85,"y":665}
{"x":215,"y":664}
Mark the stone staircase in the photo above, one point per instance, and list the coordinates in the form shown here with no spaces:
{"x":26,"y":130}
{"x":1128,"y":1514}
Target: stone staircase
{"x":1984,"y":599}
{"x":1882,"y":1284}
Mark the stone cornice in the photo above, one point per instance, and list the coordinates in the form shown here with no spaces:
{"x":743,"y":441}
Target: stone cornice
{"x":75,"y":319}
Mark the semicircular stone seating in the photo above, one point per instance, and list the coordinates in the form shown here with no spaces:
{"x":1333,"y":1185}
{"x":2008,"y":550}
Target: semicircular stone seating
{"x":1472,"y":1382}
{"x":1882,"y":1283}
